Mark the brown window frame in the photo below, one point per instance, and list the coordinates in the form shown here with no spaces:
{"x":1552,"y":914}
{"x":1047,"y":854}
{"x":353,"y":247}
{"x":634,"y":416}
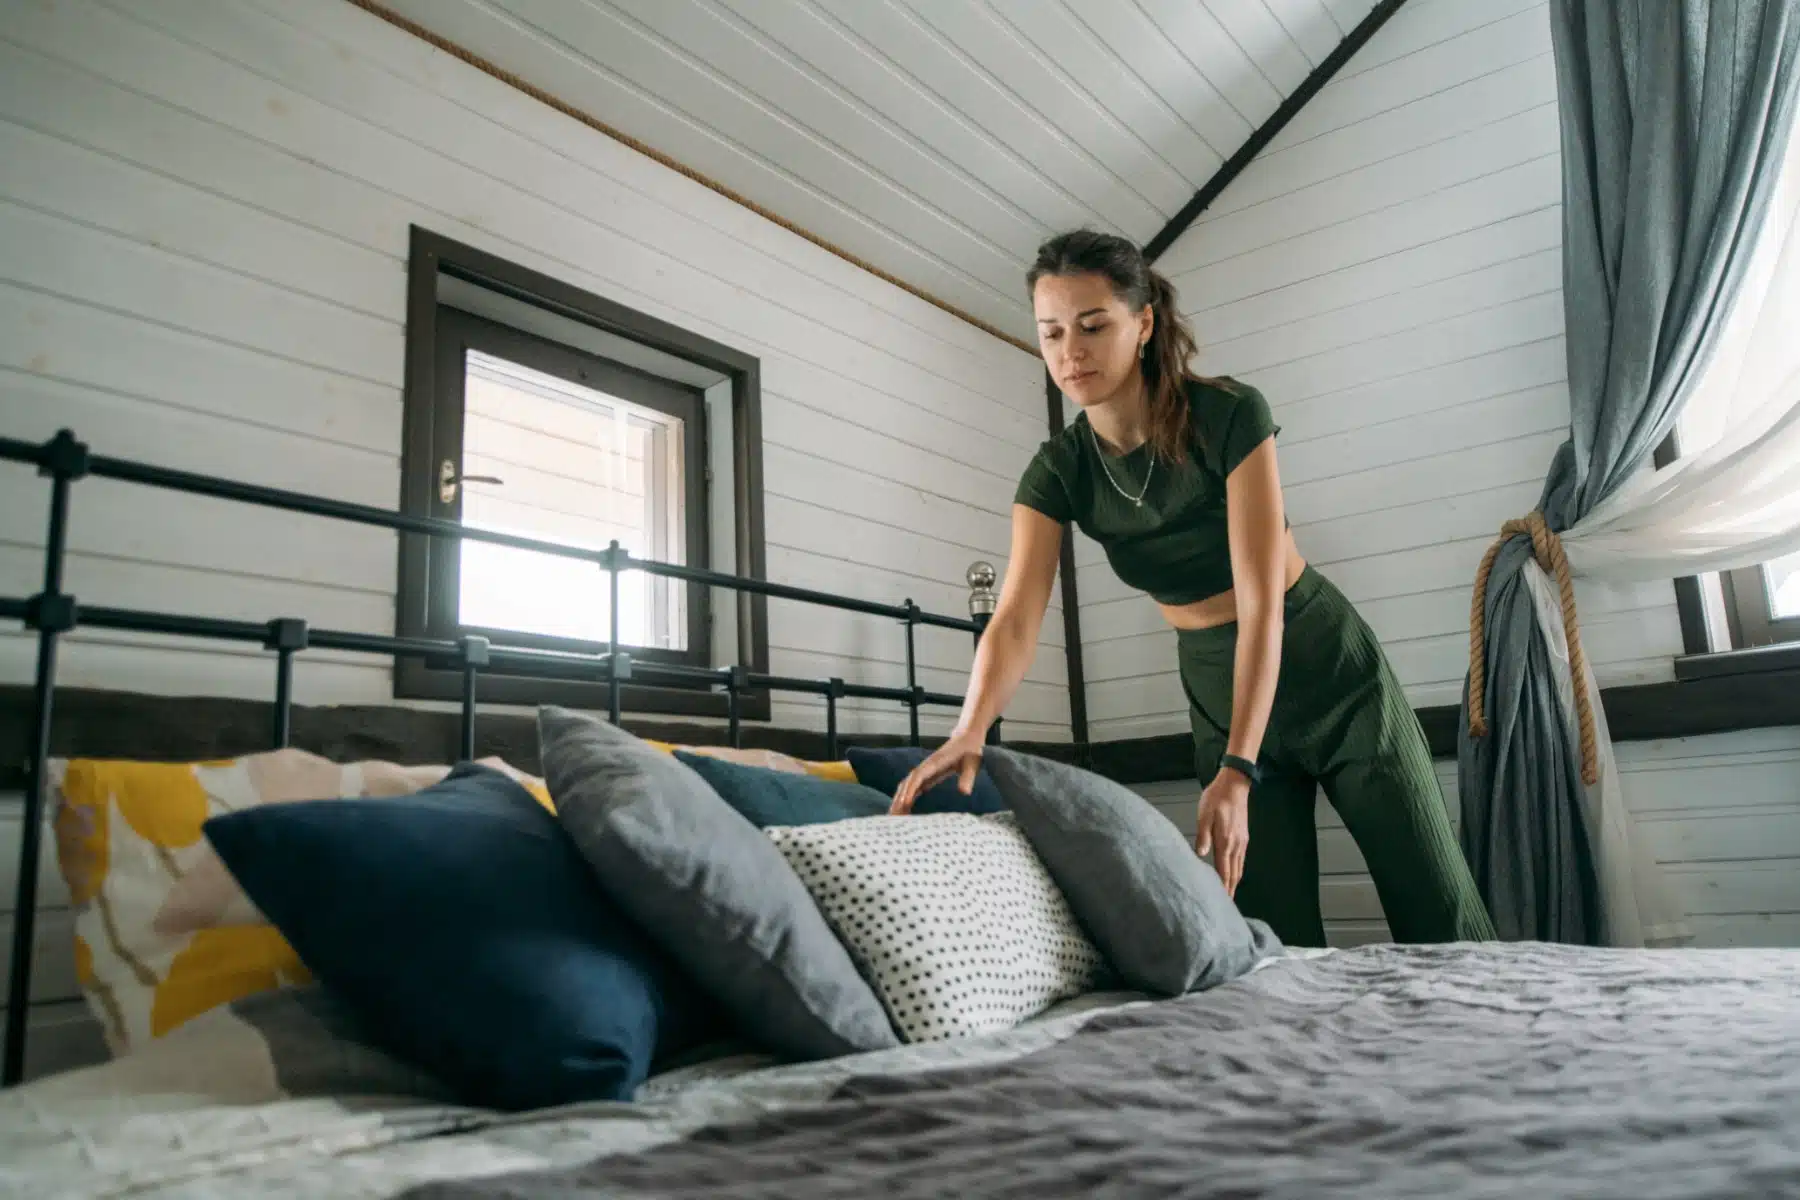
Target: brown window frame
{"x":437,"y":336}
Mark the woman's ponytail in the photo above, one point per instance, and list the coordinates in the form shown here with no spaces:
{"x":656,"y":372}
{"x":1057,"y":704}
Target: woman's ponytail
{"x":1166,"y":373}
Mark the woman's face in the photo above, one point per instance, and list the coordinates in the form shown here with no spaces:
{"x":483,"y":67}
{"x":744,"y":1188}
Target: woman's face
{"x":1088,"y":337}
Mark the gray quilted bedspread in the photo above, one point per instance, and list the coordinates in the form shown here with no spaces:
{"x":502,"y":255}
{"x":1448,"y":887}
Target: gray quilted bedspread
{"x":1516,"y":1071}
{"x":1446,"y":1073}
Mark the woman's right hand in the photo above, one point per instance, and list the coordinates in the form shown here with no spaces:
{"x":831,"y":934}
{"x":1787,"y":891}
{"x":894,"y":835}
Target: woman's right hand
{"x":959,"y":756}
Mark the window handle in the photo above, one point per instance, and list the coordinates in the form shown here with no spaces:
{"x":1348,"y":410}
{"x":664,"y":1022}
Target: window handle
{"x":449,"y":480}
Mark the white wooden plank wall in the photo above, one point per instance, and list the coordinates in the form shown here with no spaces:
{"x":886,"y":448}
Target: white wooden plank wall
{"x":1388,"y":272}
{"x":1721,"y":813}
{"x":203,"y":230}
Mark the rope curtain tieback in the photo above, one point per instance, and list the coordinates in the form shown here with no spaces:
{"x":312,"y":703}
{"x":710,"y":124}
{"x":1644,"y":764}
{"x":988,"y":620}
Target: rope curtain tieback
{"x":1547,"y":549}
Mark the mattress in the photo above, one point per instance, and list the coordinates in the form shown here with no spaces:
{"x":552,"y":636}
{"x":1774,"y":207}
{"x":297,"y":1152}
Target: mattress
{"x":1457,"y":1071}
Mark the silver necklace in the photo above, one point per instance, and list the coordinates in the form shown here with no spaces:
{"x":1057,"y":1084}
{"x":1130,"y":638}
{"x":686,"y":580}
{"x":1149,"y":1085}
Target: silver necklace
{"x":1137,"y":500}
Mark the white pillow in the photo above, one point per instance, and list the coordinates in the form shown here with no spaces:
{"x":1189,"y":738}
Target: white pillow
{"x":951,"y":917}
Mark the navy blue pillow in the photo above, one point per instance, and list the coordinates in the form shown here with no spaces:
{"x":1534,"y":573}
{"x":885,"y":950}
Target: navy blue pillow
{"x":465,"y":928}
{"x":885,"y":770}
{"x":768,"y":797}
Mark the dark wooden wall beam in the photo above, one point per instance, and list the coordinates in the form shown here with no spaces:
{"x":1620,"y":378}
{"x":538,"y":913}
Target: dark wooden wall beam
{"x":1309,"y":87}
{"x":1634,"y":713}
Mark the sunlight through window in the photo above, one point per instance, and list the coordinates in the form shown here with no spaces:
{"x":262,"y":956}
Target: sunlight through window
{"x":579,"y":467}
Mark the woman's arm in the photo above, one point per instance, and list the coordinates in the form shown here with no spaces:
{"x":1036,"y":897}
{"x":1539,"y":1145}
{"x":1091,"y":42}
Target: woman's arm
{"x":1001,"y":659}
{"x":1258,"y":533}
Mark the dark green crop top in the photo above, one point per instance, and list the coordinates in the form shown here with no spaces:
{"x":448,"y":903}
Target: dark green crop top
{"x":1175,"y":547}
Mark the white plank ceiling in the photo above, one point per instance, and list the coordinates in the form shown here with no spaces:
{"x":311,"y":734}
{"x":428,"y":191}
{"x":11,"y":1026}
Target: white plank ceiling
{"x":939,"y":140}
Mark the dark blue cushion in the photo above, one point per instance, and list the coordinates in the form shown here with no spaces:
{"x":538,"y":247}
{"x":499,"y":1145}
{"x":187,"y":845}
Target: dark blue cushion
{"x":465,"y":928}
{"x":884,"y":770}
{"x":768,"y":797}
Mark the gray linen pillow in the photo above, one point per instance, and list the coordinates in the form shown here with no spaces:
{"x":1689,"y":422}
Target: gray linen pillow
{"x":710,"y":888}
{"x":1156,"y":909}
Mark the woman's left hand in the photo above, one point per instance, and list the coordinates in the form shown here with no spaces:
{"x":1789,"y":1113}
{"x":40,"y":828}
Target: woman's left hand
{"x":1224,"y":826}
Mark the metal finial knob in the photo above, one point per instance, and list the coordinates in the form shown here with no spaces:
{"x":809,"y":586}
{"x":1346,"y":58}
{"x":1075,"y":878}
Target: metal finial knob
{"x":982,"y":577}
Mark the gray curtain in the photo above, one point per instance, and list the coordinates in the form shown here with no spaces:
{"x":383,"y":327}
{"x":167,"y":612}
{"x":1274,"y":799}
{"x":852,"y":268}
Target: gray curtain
{"x":1675,"y":114}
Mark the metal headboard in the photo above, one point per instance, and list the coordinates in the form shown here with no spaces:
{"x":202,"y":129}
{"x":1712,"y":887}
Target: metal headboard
{"x":53,"y":612}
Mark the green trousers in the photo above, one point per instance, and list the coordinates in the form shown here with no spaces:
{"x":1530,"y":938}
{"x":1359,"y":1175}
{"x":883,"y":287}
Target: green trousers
{"x":1340,"y":722}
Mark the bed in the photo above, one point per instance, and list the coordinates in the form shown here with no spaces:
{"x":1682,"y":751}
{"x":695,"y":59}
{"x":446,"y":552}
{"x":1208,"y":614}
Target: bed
{"x":1454,"y":1071}
{"x":1459,"y":1071}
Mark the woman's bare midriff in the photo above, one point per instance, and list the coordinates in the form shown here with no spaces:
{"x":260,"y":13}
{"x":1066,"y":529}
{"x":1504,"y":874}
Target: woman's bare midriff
{"x":1222,"y":608}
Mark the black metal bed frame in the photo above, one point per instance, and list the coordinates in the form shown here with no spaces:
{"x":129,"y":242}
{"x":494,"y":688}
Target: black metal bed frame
{"x":53,"y":612}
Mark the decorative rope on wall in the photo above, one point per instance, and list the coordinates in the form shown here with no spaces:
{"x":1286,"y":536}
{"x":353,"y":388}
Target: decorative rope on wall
{"x":1546,"y":547}
{"x":599,"y":126}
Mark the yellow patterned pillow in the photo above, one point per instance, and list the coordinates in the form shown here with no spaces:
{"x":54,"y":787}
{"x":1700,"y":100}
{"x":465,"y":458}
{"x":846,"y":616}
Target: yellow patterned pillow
{"x":837,"y":772}
{"x":162,"y":931}
{"x":774,"y":760}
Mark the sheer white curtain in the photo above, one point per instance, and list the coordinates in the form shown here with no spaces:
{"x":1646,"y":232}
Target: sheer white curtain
{"x":1638,"y":906}
{"x":1732,"y":500}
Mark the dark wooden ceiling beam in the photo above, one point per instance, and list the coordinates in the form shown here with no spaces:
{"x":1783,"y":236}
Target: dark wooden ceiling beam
{"x":1229,"y":170}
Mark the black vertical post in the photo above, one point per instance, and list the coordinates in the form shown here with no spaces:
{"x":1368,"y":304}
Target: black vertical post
{"x":834,"y":690}
{"x":283,"y":732}
{"x":612,"y":638}
{"x":52,"y":613}
{"x":287,"y":637}
{"x":474,"y":657}
{"x":981,"y":620}
{"x":912,"y":670}
{"x":737,"y":681}
{"x":982,"y":601}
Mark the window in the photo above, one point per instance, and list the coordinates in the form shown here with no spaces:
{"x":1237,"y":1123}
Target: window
{"x":1763,"y":603}
{"x":539,"y":410}
{"x":563,"y":446}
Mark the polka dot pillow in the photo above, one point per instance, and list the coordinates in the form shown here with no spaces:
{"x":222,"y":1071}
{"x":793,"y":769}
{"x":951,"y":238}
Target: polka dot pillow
{"x":951,"y":918}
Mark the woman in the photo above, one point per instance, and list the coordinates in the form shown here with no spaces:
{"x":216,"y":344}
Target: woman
{"x":1175,"y":476}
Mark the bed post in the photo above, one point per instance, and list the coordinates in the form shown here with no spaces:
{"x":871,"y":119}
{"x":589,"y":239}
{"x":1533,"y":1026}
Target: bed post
{"x":613,"y":679}
{"x":912,"y":670}
{"x":52,"y":613}
{"x":287,"y":637}
{"x":737,"y":682}
{"x":474,"y":656}
{"x":981,"y":578}
{"x":834,"y":691}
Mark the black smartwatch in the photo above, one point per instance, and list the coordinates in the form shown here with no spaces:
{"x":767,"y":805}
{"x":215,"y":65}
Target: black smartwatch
{"x":1242,"y":766}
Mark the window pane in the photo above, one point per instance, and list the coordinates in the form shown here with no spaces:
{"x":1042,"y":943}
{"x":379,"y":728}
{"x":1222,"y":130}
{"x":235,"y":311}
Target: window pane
{"x":1784,"y":587}
{"x":582,"y":468}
